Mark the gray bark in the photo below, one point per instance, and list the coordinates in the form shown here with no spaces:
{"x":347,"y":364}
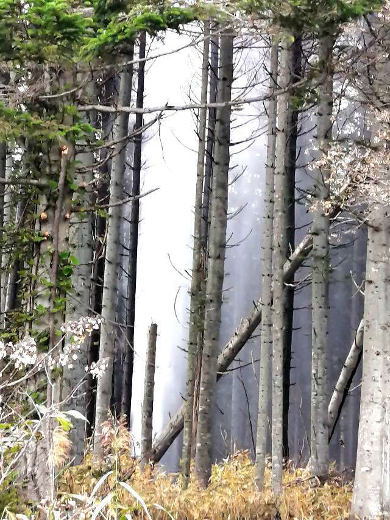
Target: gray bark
{"x":108,"y":93}
{"x":214,"y":50}
{"x":133,"y":241}
{"x":110,"y":288}
{"x":147,"y":410}
{"x":264,"y":416}
{"x":320,"y":271}
{"x":280,"y":253}
{"x":371,"y":496}
{"x":196,"y":322}
{"x":216,"y":261}
{"x":291,"y":157}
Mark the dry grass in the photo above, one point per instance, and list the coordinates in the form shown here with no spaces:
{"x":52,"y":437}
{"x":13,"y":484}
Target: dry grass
{"x":231,"y":494}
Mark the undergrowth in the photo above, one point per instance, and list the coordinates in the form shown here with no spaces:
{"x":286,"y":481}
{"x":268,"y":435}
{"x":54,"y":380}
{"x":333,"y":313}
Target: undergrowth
{"x":231,"y":494}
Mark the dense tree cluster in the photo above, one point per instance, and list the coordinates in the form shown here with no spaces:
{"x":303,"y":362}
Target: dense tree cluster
{"x":73,"y":121}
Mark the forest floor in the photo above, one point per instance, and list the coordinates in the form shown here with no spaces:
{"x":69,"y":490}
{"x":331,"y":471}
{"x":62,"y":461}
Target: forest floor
{"x":231,"y":494}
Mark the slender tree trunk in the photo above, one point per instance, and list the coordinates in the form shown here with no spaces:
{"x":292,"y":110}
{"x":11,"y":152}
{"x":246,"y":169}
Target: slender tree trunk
{"x":371,"y":495}
{"x":344,"y":380}
{"x":320,"y":271}
{"x":110,"y":288}
{"x":196,"y":324}
{"x":147,"y":410}
{"x":291,"y":155}
{"x":280,"y":253}
{"x":264,"y":416}
{"x":133,"y":241}
{"x":210,"y":141}
{"x":216,"y":261}
{"x":109,"y":95}
{"x":205,"y":223}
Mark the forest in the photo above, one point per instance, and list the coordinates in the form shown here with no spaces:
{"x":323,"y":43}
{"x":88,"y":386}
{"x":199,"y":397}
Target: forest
{"x":195,"y":259}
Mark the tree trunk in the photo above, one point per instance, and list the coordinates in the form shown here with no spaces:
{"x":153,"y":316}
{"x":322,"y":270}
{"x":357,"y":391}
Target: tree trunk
{"x":216,"y":262}
{"x":320,"y":271}
{"x":133,"y":241}
{"x":108,"y":93}
{"x":264,"y":416}
{"x":110,"y":288}
{"x":280,"y":253}
{"x":291,"y":155}
{"x":196,"y":323}
{"x":147,"y":411}
{"x":210,"y":142}
{"x":371,"y":495}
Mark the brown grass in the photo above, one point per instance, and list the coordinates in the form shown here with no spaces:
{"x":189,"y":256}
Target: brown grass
{"x":231,"y":494}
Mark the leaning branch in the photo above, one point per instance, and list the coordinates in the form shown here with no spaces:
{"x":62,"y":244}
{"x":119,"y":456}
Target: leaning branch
{"x":345,"y":379}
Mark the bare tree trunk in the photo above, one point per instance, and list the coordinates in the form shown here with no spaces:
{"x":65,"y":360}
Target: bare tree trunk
{"x":196,"y":323}
{"x":210,"y":141}
{"x":133,"y":241}
{"x":320,"y":271}
{"x":216,"y":262}
{"x":280,"y":253}
{"x":109,"y":95}
{"x":371,"y":495}
{"x":264,"y":416}
{"x":205,"y":223}
{"x":110,"y":288}
{"x":291,"y":155}
{"x":147,"y":411}
{"x":344,"y":380}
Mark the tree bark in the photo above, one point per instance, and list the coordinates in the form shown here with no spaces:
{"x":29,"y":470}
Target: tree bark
{"x":196,"y":322}
{"x":371,"y":495}
{"x":133,"y":241}
{"x":280,"y":253}
{"x":264,"y":416}
{"x":216,"y":261}
{"x":291,"y":155}
{"x":147,"y":411}
{"x":108,"y":93}
{"x":110,"y":288}
{"x":320,"y":271}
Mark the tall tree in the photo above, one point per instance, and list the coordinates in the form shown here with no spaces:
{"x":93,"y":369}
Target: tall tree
{"x":133,"y":238}
{"x":264,"y":416}
{"x":196,"y":322}
{"x":110,"y":288}
{"x":291,"y":156}
{"x":280,"y":253}
{"x":216,"y":260}
{"x":320,"y":267}
{"x":371,"y":496}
